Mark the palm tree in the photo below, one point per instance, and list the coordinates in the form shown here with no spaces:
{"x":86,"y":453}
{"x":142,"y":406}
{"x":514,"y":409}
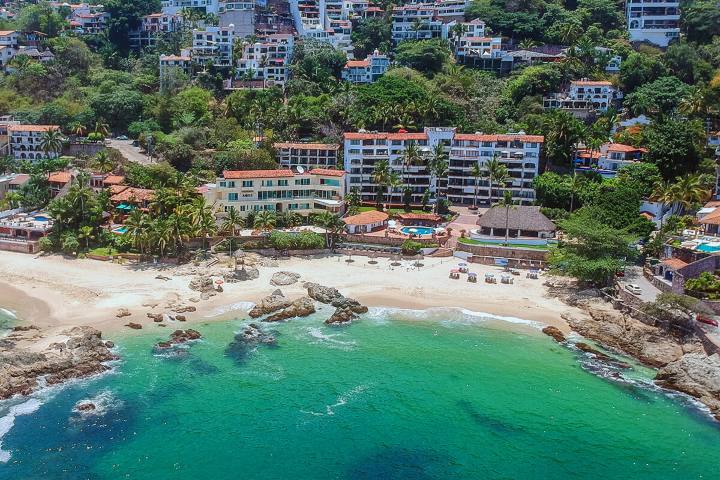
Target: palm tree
{"x":527,"y":44}
{"x":103,"y":162}
{"x":477,"y":171}
{"x":161,"y":235}
{"x":574,"y":183}
{"x":230,"y":225}
{"x":507,"y":203}
{"x":663,"y":194}
{"x":689,"y":191}
{"x":381,"y":177}
{"x":51,"y":142}
{"x":86,"y":232}
{"x":102,"y":128}
{"x":411,"y":156}
{"x":265,"y":220}
{"x":497,"y":173}
{"x":137,"y":226}
{"x":80,"y":130}
{"x":332,"y":224}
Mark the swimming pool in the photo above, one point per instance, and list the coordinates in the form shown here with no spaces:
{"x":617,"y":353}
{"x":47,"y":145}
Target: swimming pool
{"x":708,"y":247}
{"x":417,"y":230}
{"x":120,"y":230}
{"x":41,"y":218}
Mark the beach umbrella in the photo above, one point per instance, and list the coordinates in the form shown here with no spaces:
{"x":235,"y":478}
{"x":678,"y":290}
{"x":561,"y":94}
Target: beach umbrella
{"x":455,"y":270}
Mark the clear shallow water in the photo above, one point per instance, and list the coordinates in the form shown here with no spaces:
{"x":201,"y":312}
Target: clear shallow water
{"x":376,"y":400}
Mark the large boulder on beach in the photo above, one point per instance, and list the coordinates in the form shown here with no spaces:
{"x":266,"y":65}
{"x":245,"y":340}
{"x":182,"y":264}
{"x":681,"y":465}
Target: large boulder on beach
{"x":346,"y":309}
{"x":242,"y":274}
{"x":202,"y":283}
{"x":302,"y":307}
{"x":270,"y":304}
{"x":284,"y":278}
{"x":555,"y":333}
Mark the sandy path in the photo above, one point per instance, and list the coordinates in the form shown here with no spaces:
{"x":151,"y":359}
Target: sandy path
{"x":53,"y":291}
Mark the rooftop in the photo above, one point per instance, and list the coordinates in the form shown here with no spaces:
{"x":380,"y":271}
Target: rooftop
{"x":238,"y":174}
{"x":327,"y":172}
{"x":519,"y":218}
{"x":307,"y":146}
{"x":366,"y":218}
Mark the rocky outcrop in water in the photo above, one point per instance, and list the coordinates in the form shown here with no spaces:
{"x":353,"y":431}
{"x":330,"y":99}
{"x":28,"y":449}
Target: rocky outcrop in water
{"x":272,"y":303}
{"x":554,"y":332}
{"x":178,"y":337}
{"x":302,"y":307}
{"x":346,"y":309}
{"x":74,"y":353}
{"x":697,"y":375}
{"x":247,"y":340}
{"x":254,"y":334}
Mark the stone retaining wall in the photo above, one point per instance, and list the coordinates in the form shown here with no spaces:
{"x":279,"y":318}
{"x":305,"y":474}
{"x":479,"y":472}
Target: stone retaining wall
{"x":504,"y":252}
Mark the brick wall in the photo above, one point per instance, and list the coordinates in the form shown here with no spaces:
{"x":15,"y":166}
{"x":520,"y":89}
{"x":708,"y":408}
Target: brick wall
{"x":504,"y":252}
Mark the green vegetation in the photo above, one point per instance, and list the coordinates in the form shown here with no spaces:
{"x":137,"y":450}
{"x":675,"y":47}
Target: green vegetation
{"x":470,"y":241}
{"x":706,"y":285}
{"x":410,"y":247}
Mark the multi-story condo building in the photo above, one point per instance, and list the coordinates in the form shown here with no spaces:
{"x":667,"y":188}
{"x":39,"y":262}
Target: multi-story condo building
{"x":26,"y":141}
{"x":519,"y":152}
{"x":447,"y":10}
{"x":91,"y":23}
{"x":240,"y":15}
{"x":584,"y":97}
{"x":654,"y":21}
{"x":307,"y":155}
{"x":415,"y":21}
{"x":206,"y":6}
{"x":266,"y":61}
{"x":280,"y":190}
{"x":170,"y":65}
{"x":213,"y":44}
{"x":366,"y":71}
{"x":162,"y":22}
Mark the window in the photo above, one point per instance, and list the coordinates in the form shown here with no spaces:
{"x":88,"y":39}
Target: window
{"x":231,"y":184}
{"x":302,"y":181}
{"x":247,"y":183}
{"x":282,"y":183}
{"x":232,"y":197}
{"x":223,"y":184}
{"x":267,"y":183}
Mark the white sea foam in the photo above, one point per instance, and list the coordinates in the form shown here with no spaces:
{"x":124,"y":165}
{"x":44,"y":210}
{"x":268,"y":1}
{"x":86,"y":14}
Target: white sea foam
{"x":8,"y":313}
{"x":330,"y":339}
{"x":233,"y":307}
{"x":8,"y":421}
{"x":104,"y":402}
{"x":447,"y":316}
{"x":342,"y":399}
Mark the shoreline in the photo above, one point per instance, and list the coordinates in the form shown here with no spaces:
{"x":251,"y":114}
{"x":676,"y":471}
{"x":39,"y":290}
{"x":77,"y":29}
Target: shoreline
{"x":89,"y":292}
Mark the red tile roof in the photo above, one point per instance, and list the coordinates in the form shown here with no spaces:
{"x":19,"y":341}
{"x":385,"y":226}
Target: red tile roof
{"x":674,"y":263}
{"x":385,"y":135}
{"x":307,"y":146}
{"x":619,"y":147}
{"x":237,"y":174}
{"x":712,"y":218}
{"x":327,"y":172}
{"x":426,"y":217}
{"x":357,"y":64}
{"x":591,"y":83}
{"x":366,"y":218}
{"x":20,"y":179}
{"x":59,"y":177}
{"x":113,"y":180}
{"x":32,"y":128}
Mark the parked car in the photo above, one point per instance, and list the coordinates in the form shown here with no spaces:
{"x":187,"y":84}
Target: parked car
{"x":122,"y":137}
{"x":634,"y":289}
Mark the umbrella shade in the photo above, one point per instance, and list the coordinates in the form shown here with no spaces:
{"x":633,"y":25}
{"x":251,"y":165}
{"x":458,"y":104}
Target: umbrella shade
{"x":455,"y":270}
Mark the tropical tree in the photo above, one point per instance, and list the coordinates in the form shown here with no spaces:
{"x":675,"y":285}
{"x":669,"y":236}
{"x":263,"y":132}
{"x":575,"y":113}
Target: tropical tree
{"x":265,"y":220}
{"x":507,"y":203}
{"x":477,"y":171}
{"x":689,"y":191}
{"x":87,"y":233}
{"x":353,"y":201}
{"x":497,"y":174}
{"x":333,"y":226}
{"x":102,"y":162}
{"x":51,"y":142}
{"x":385,"y":178}
{"x":411,"y":156}
{"x":232,"y":221}
{"x":137,"y":226}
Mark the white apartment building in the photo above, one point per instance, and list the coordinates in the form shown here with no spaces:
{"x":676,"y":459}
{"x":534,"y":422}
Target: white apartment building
{"x":279,"y":191}
{"x":171,"y":64}
{"x":363,"y":150}
{"x":307,"y":155}
{"x":174,"y":6}
{"x":162,"y":22}
{"x":519,"y":152}
{"x":213,"y":44}
{"x":9,"y":38}
{"x":26,"y":141}
{"x":91,"y":23}
{"x":415,"y":21}
{"x":654,"y":21}
{"x":609,"y":159}
{"x":451,"y":9}
{"x":238,"y":14}
{"x":584,"y":97}
{"x":267,"y":60}
{"x":368,"y":70}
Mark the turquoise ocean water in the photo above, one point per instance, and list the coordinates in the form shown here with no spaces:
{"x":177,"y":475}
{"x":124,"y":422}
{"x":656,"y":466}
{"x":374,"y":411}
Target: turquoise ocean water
{"x":384,"y":398}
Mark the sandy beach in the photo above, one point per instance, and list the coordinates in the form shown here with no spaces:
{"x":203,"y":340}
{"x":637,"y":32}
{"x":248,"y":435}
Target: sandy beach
{"x":53,"y":291}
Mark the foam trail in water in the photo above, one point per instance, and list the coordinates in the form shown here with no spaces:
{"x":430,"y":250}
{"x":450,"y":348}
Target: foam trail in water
{"x":447,"y":316}
{"x":341,"y":400}
{"x":330,"y":339}
{"x":233,"y":307}
{"x":7,"y":422}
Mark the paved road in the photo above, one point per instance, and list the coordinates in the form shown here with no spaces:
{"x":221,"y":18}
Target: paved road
{"x":634,"y":275}
{"x":131,"y":153}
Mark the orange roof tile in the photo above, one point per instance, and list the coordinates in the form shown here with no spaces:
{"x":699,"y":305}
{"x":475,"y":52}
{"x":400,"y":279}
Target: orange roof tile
{"x":327,"y":172}
{"x":591,"y":83}
{"x":619,"y":147}
{"x":357,"y":64}
{"x":428,"y":217}
{"x":674,"y":263}
{"x":712,"y":218}
{"x":32,"y":128}
{"x":366,"y":218}
{"x":236,"y":174}
{"x":4,"y":33}
{"x":59,"y":177}
{"x":115,"y":189}
{"x":113,"y":180}
{"x":308,"y":146}
{"x":499,"y":138}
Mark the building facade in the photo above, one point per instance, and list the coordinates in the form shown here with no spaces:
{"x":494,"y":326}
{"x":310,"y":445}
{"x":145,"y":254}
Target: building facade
{"x":307,"y":155}
{"x":585,"y":97}
{"x":415,"y":21}
{"x":279,"y":191}
{"x":366,"y":71}
{"x":654,"y":21}
{"x":519,"y":152}
{"x":266,"y":60}
{"x":26,"y":141}
{"x":213,"y":45}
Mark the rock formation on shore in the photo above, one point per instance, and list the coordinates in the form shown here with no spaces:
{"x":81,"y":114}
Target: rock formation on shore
{"x":284,"y":278}
{"x":346,"y":309}
{"x":77,"y":352}
{"x":282,"y":307}
{"x":683,"y":363}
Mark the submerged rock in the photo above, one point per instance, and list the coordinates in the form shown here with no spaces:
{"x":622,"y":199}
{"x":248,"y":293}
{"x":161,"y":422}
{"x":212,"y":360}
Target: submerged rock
{"x":85,"y":406}
{"x":603,"y":357}
{"x":133,"y":325}
{"x":247,"y":340}
{"x":123,"y":312}
{"x":178,"y":337}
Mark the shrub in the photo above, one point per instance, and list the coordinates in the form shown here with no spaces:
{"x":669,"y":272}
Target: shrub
{"x":299,"y":241}
{"x":410,"y":247}
{"x":46,"y":244}
{"x":69,"y":243}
